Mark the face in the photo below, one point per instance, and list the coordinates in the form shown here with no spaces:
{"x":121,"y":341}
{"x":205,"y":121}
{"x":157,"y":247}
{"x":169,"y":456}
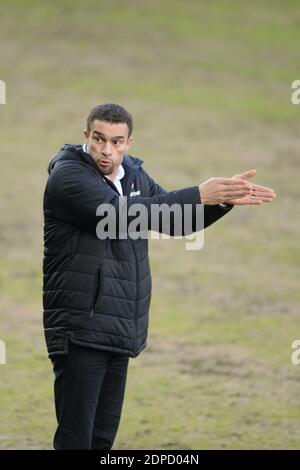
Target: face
{"x":107,"y":143}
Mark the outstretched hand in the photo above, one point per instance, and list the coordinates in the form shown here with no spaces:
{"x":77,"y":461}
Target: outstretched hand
{"x":236,"y":190}
{"x":258,"y":194}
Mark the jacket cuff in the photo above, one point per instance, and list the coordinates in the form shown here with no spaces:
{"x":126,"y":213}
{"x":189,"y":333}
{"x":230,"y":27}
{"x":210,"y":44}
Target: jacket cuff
{"x":191,"y":195}
{"x":226,"y":206}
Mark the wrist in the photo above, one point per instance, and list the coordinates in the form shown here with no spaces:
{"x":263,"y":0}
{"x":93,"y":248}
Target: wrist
{"x":202,"y":194}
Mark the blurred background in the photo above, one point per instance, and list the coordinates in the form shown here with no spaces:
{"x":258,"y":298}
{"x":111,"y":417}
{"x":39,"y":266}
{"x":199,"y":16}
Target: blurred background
{"x":209,"y":86}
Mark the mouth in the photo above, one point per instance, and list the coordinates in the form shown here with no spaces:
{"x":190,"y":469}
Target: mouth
{"x":104,"y":162}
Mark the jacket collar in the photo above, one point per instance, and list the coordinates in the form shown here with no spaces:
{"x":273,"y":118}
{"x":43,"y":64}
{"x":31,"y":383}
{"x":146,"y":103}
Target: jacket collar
{"x":76,"y":153}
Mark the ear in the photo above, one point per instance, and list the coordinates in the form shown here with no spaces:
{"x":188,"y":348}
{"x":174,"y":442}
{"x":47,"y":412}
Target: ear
{"x":85,"y":135}
{"x":129,"y":142}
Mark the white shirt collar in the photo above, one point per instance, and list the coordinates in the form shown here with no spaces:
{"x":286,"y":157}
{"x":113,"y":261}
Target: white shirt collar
{"x":120,"y":173}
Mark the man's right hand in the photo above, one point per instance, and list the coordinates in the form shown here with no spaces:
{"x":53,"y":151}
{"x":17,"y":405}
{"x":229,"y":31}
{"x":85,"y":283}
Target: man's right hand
{"x":219,"y":190}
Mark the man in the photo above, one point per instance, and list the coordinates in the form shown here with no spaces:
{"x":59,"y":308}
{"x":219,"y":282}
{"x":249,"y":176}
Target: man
{"x":97,"y":290}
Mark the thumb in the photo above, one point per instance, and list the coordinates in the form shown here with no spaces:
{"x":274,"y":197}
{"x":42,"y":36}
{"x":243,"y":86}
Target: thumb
{"x":247,"y":174}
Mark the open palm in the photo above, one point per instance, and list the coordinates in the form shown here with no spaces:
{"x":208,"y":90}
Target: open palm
{"x":258,"y":194}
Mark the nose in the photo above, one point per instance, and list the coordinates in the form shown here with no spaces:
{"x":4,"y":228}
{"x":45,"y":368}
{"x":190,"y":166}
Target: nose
{"x":106,"y":151}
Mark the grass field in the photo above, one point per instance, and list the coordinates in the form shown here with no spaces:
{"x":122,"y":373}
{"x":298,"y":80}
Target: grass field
{"x":209,"y":85}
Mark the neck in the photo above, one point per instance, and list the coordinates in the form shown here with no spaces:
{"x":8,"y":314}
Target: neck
{"x":113,"y":175}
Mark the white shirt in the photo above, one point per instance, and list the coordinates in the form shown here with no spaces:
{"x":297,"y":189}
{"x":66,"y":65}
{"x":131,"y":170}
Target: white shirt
{"x":117,"y":178}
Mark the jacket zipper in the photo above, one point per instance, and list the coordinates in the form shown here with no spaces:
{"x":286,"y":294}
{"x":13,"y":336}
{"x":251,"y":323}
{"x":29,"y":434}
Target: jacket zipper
{"x":137,"y":295}
{"x":96,"y":289}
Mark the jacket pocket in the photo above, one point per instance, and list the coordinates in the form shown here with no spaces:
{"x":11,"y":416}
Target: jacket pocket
{"x":97,"y":289}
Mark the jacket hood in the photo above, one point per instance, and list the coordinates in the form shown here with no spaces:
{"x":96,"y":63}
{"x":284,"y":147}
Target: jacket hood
{"x":76,"y":153}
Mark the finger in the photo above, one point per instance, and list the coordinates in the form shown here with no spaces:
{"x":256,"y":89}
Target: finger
{"x":258,"y":186}
{"x":248,"y":174}
{"x":249,"y":200}
{"x":264,"y":193}
{"x":234,"y":182}
{"x":255,"y":202}
{"x":260,"y":200}
{"x":264,"y":196}
{"x":243,"y":202}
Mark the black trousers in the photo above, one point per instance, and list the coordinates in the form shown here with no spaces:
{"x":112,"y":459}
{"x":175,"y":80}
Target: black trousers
{"x":89,"y":391}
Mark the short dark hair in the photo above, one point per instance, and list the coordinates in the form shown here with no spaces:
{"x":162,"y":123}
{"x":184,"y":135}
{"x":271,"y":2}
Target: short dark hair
{"x":110,"y":112}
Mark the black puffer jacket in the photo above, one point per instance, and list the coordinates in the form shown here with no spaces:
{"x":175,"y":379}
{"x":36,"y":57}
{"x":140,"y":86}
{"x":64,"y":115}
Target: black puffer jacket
{"x":97,"y":292}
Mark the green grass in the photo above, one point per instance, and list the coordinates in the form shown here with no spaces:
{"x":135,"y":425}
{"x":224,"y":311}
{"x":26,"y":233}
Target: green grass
{"x":209,"y":85}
